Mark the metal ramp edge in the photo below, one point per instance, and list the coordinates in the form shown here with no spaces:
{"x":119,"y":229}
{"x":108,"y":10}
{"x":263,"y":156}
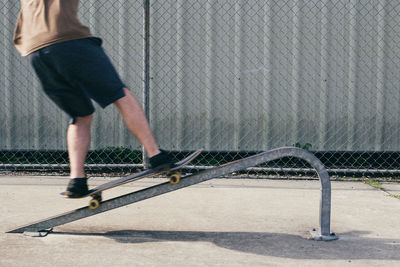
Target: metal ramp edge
{"x":322,"y":233}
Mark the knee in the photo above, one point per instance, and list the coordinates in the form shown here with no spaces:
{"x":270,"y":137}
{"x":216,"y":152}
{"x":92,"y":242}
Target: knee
{"x":85,"y":120}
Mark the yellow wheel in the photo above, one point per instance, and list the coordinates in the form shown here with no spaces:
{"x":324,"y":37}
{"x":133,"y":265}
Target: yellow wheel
{"x":94,"y":204}
{"x":174,"y":178}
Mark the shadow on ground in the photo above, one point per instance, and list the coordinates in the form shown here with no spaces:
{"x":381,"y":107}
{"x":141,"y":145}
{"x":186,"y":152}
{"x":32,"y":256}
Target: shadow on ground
{"x":350,"y":246}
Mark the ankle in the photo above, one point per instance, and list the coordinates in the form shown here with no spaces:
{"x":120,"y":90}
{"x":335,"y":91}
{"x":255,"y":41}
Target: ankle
{"x":152,"y":153}
{"x":79,"y":179}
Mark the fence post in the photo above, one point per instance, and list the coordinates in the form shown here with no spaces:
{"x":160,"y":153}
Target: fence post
{"x":146,"y":66}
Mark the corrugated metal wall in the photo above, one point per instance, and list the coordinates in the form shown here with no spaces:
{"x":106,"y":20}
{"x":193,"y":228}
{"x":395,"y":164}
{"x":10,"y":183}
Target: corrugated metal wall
{"x":252,"y":75}
{"x":232,"y":75}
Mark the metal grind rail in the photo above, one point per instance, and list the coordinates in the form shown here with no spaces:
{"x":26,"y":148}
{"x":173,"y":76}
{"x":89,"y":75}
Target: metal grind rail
{"x":322,"y":233}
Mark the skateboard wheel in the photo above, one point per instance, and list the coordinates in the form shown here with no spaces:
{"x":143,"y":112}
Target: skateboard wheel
{"x":94,"y":204}
{"x":174,"y":178}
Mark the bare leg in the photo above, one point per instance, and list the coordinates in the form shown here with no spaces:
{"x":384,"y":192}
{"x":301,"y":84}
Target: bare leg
{"x":136,"y":121}
{"x":78,"y":139}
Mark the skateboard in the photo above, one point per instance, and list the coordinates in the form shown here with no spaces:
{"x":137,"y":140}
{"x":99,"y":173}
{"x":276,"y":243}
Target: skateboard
{"x":173,"y":174}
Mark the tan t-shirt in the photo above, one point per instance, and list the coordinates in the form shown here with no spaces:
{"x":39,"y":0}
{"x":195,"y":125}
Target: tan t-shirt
{"x":44,"y":22}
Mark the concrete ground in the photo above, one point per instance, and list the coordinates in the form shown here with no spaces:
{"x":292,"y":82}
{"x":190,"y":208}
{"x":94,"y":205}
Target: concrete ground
{"x":222,"y":222}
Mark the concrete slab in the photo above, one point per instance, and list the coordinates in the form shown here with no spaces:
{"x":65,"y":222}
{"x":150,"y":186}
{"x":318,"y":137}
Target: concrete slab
{"x":222,"y":222}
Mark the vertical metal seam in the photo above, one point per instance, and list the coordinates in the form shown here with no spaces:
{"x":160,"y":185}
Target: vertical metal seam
{"x":267,"y":80}
{"x":8,"y":88}
{"x":380,"y":86}
{"x":324,"y":102}
{"x":119,"y":127}
{"x":352,"y":82}
{"x":146,"y":67}
{"x":180,"y":65}
{"x":209,"y":79}
{"x":296,"y":68}
{"x":238,"y":80}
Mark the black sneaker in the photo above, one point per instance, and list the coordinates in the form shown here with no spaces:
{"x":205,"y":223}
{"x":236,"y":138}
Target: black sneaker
{"x":161,"y":161}
{"x":77,"y":187}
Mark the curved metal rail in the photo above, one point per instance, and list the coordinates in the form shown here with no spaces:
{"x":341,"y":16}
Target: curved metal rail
{"x":323,"y":233}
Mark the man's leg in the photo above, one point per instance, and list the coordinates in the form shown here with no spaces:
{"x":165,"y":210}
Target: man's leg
{"x":78,"y":139}
{"x":137,"y":123}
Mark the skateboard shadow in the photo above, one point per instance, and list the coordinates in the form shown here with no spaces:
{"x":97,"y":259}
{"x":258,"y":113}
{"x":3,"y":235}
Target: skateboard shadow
{"x":350,"y":246}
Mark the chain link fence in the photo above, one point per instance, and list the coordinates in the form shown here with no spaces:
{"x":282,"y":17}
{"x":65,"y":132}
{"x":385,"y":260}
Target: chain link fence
{"x":233,"y":77}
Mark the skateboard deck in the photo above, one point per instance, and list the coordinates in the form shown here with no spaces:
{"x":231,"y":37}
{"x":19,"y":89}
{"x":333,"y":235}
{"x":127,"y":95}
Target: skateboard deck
{"x":173,"y":175}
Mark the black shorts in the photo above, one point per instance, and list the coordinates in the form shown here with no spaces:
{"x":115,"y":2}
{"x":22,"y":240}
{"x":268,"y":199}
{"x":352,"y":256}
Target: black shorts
{"x":74,"y":72}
